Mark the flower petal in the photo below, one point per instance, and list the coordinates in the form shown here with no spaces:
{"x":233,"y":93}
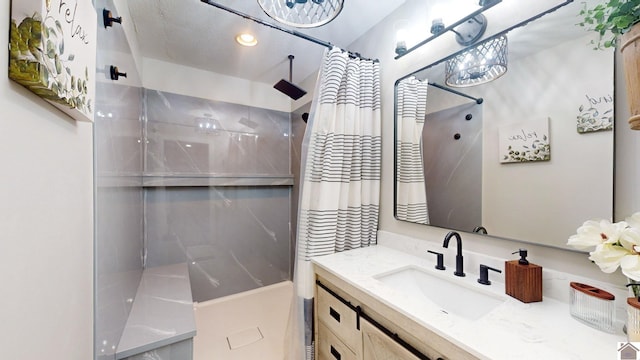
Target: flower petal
{"x":630,"y":239}
{"x":582,"y":242}
{"x":596,"y":232}
{"x":634,"y":220}
{"x":630,"y":266}
{"x":608,"y":256}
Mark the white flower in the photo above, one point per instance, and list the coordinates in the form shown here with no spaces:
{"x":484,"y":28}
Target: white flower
{"x":608,"y":256}
{"x":630,"y":239}
{"x":630,"y":266}
{"x":634,"y":220}
{"x":616,"y":244}
{"x":593,"y":233}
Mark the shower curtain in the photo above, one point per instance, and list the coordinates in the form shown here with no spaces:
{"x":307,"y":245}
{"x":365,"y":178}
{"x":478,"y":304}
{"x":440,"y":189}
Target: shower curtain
{"x":411,"y":197}
{"x":341,"y":157}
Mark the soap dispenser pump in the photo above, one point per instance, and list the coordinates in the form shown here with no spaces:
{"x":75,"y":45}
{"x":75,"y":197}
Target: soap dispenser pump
{"x":523,"y":256}
{"x":523,"y":280}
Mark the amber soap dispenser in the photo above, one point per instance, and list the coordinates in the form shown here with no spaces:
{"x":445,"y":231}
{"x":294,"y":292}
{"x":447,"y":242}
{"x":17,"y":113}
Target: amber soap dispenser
{"x":523,"y":280}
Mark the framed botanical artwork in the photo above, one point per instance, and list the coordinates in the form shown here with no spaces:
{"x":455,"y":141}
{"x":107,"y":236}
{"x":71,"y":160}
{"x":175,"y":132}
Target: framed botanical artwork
{"x":596,"y":113}
{"x":525,"y":141}
{"x":52,"y":52}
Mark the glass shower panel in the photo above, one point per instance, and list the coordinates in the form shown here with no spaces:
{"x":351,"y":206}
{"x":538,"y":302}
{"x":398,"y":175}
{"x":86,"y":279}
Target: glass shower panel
{"x":192,"y":136}
{"x":118,"y":210}
{"x":233,"y":238}
{"x":215,"y":196}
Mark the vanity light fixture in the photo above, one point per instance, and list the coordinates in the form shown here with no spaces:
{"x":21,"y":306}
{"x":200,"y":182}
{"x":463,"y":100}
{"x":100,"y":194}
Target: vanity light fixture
{"x":437,"y":26}
{"x":471,"y":30}
{"x":302,"y":13}
{"x":401,"y":28}
{"x":246,"y":39}
{"x":468,"y":29}
{"x":483,"y":63}
{"x":401,"y":47}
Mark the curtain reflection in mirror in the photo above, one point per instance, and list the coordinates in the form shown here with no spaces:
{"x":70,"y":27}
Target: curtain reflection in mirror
{"x":411,"y":201}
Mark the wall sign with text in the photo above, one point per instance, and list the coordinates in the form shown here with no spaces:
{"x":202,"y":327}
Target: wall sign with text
{"x":52,"y":52}
{"x":526,"y":141}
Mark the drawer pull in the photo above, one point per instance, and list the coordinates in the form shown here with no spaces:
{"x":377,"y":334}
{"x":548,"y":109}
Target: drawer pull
{"x":335,"y":353}
{"x":334,"y":314}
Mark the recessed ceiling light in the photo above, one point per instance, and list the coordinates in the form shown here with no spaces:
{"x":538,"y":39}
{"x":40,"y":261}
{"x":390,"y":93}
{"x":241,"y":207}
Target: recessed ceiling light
{"x":246,"y":39}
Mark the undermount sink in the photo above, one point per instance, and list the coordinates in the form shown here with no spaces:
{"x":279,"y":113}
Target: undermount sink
{"x":452,"y":298}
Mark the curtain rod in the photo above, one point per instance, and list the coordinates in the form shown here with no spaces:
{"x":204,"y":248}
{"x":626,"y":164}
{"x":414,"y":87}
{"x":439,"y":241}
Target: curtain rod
{"x":477,"y":100}
{"x":290,"y":32}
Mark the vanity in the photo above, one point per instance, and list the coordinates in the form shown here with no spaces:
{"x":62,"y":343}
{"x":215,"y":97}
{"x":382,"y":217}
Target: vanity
{"x":365,"y":297}
{"x":453,"y":169}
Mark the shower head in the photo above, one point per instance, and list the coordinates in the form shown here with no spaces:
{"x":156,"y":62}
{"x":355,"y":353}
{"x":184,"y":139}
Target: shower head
{"x":288,"y":87}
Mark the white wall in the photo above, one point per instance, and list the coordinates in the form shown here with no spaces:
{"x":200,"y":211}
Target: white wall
{"x":46,"y":222}
{"x":544,"y":85}
{"x":184,"y":80}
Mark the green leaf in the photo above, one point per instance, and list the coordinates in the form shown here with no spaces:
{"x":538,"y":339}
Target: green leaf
{"x":598,"y":15}
{"x":51,"y":49}
{"x":58,"y":65}
{"x":623,"y":22}
{"x":58,"y":26}
{"x":71,"y":57}
{"x":45,"y":74}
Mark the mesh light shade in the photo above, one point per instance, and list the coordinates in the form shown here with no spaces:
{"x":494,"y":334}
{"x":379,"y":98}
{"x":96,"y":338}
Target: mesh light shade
{"x":483,"y":63}
{"x":302,"y":13}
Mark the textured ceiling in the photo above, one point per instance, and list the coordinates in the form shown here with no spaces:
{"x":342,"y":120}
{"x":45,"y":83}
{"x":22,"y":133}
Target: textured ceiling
{"x":195,"y":34}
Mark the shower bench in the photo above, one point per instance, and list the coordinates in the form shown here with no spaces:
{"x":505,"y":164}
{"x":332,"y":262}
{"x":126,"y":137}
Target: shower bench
{"x":161,"y":321}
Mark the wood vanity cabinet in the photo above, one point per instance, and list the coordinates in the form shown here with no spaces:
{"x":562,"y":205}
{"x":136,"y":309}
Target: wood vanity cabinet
{"x":376,"y":345}
{"x":346,"y":331}
{"x":337,"y":328}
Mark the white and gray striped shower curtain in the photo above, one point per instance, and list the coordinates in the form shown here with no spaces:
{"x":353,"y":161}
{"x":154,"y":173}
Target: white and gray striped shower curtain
{"x":341,"y":159}
{"x":411,"y":197}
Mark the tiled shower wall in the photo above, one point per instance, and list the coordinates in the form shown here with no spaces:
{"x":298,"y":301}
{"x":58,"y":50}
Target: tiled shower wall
{"x":217,"y":192}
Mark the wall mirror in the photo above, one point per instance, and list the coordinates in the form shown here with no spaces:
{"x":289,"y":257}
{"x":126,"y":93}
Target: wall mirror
{"x":534,"y":160}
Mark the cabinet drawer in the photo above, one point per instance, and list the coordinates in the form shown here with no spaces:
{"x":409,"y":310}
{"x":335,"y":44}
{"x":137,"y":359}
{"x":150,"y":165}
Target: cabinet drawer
{"x":330,"y":347}
{"x":338,"y":318}
{"x":378,"y":346}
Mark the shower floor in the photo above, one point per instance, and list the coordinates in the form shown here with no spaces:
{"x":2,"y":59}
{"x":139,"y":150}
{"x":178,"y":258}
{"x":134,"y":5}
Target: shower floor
{"x":249,"y":325}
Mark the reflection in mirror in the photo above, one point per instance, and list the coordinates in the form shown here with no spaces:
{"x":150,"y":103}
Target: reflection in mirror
{"x":533,"y":161}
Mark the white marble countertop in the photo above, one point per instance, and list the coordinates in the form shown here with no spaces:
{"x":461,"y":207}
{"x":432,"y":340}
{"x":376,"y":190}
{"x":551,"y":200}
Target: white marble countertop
{"x":162,"y":312}
{"x":513,"y":330}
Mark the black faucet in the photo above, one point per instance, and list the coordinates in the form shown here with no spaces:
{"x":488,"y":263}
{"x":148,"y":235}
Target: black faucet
{"x":459,"y":260}
{"x":480,"y":230}
{"x":484,"y":274}
{"x":440,"y":260}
